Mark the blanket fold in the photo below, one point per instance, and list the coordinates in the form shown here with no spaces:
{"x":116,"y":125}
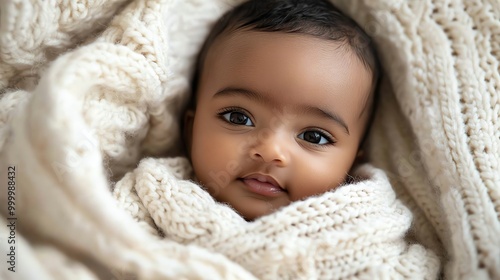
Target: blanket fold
{"x":356,"y":230}
{"x":89,"y":88}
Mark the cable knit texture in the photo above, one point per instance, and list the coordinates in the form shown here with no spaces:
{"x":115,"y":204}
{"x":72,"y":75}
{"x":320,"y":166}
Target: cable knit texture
{"x":89,"y":88}
{"x":355,"y":231}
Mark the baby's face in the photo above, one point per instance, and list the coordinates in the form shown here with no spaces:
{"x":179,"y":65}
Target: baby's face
{"x":279,"y":117}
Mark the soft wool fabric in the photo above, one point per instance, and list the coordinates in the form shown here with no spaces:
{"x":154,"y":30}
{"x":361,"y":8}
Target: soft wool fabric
{"x":89,"y":88}
{"x":355,"y":231}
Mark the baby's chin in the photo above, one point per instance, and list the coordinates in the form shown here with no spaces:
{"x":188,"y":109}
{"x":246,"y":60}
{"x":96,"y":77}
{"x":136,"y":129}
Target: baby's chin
{"x":254,"y":208}
{"x":252,"y":215}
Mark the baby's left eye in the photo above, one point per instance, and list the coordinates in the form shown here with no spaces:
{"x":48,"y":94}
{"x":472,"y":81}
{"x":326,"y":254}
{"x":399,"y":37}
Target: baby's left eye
{"x":315,"y":137}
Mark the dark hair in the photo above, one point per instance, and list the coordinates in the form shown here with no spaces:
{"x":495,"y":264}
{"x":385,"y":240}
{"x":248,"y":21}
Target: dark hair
{"x":318,"y":18}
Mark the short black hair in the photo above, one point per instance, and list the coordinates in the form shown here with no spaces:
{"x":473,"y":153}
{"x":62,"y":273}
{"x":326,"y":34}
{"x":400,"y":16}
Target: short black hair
{"x":317,"y":18}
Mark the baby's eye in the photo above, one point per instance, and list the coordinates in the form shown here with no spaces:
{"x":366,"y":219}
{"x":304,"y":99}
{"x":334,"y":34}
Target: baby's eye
{"x":316,"y":137}
{"x":238,"y":118}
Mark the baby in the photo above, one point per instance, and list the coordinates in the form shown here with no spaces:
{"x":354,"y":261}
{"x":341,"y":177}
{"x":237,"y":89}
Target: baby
{"x":284,"y":92}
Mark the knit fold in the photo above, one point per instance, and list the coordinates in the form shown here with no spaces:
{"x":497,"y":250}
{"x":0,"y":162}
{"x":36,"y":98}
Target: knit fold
{"x":88,"y":89}
{"x":357,"y":229}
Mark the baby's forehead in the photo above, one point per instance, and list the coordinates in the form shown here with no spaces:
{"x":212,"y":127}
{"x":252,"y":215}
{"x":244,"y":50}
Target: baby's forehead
{"x":278,"y":64}
{"x":240,"y":41}
{"x":289,"y":46}
{"x":236,"y":40}
{"x":284,"y":48}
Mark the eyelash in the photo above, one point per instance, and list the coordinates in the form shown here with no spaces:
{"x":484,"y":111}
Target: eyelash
{"x":331,"y":140}
{"x":224,"y":111}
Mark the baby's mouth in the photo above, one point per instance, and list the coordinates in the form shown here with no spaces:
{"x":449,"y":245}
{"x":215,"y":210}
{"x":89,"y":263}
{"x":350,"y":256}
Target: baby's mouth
{"x":263,"y":185}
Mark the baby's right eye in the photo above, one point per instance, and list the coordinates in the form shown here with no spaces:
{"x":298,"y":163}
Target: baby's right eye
{"x":237,"y":118}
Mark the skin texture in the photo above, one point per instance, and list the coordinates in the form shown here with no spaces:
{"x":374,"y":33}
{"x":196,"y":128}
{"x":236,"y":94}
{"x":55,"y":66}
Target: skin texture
{"x":261,"y":109}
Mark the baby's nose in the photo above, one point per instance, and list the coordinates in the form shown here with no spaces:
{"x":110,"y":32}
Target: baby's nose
{"x":271,"y":147}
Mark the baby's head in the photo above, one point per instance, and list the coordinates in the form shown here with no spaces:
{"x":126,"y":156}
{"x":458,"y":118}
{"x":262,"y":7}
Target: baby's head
{"x":283,"y":97}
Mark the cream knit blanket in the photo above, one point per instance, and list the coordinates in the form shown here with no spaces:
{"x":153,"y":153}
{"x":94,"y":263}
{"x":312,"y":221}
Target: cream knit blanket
{"x":89,"y":88}
{"x":356,"y":231}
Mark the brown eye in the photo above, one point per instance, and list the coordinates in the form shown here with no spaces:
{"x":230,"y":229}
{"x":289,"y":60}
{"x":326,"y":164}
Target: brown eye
{"x":315,"y":137}
{"x":237,"y":118}
{"x":312,"y":136}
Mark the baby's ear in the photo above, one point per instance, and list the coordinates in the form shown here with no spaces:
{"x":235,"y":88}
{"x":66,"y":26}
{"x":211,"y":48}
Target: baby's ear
{"x":360,"y":158}
{"x":188,"y":130}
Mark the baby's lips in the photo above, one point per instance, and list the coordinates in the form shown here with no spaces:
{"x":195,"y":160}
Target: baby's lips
{"x":265,"y":179}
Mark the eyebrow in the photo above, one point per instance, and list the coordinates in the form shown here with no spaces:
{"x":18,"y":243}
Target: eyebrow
{"x":329,"y":115}
{"x":234,"y":91}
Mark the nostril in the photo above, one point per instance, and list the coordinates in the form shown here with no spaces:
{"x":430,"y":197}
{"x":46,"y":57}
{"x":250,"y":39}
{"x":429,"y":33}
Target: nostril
{"x":268,"y":154}
{"x":257,"y":156}
{"x":270,"y":159}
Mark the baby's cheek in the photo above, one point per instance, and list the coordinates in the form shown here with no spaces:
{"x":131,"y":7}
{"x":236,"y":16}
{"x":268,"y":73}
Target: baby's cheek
{"x":314,"y":181}
{"x":210,"y":163}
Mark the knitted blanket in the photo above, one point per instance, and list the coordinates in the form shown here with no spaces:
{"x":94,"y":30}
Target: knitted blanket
{"x":89,"y":88}
{"x":355,"y":231}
